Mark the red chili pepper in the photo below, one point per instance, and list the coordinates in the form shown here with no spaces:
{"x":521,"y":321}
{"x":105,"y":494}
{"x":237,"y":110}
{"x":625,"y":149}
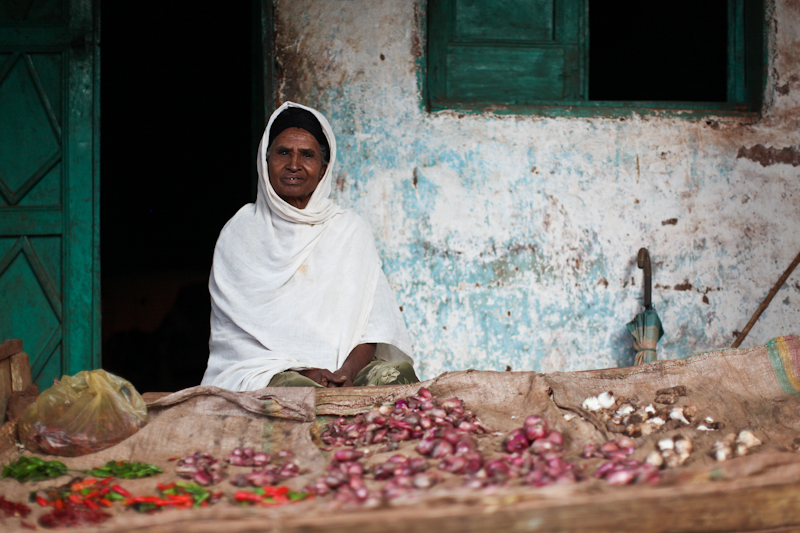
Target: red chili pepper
{"x":120,"y":490}
{"x":243,"y":496}
{"x":204,"y":504}
{"x":92,"y":494}
{"x":105,"y":503}
{"x":41,"y":501}
{"x":91,"y":505}
{"x":120,"y":463}
{"x":143,"y":499}
{"x":80,"y":485}
{"x":106,"y":481}
{"x":59,"y":504}
{"x":275,"y":491}
{"x":74,"y":498}
{"x":27,"y":525}
{"x":167,"y":486}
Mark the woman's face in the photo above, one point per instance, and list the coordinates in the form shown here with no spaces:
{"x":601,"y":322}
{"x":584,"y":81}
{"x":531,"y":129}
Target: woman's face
{"x":295,"y":166}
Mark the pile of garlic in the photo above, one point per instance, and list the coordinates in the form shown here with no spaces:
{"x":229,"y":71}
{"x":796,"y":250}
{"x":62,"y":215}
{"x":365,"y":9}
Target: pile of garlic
{"x":724,"y":449}
{"x":630,"y":417}
{"x":671,"y":452}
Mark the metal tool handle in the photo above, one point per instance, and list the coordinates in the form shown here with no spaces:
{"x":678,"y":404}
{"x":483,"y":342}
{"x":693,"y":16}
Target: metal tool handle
{"x":643,"y":260}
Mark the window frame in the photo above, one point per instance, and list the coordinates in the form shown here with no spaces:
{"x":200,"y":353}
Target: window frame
{"x":747,"y":73}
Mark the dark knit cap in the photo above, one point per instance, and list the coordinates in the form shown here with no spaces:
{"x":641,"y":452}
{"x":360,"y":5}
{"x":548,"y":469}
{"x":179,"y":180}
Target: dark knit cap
{"x":295,"y":117}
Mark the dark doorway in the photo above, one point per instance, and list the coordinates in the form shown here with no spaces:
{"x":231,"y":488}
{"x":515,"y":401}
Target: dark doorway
{"x":658,"y":51}
{"x":176,"y":165}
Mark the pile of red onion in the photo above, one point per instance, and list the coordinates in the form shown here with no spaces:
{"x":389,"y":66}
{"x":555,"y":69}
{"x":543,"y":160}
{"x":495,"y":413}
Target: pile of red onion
{"x":265,"y":472}
{"x":535,"y":453}
{"x":619,"y":469}
{"x":247,"y":457}
{"x":202,"y":468}
{"x":448,"y":436}
{"x":403,"y":475}
{"x":344,"y":477}
{"x":409,"y":418}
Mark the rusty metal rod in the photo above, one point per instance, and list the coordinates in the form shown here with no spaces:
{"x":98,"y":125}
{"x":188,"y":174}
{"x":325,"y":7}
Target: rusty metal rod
{"x":766,"y":302}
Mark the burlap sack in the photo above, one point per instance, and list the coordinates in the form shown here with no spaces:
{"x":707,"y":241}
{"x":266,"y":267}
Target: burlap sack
{"x":753,"y":389}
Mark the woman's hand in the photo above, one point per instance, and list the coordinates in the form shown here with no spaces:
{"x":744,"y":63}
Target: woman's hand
{"x":358,"y":359}
{"x":355,"y":362}
{"x":326,"y":378}
{"x":342,"y":375}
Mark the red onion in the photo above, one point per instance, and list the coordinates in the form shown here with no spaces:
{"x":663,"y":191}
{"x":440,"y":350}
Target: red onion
{"x":465,"y":444}
{"x":555,"y":437}
{"x":455,"y":464}
{"x":379,"y":435}
{"x":516,"y":442}
{"x":452,"y":403}
{"x":347,"y":455}
{"x":425,"y":446}
{"x":610,"y":446}
{"x":451,"y":435}
{"x":441,"y":449}
{"x":535,"y":421}
{"x":533,"y":433}
{"x":496,"y":467}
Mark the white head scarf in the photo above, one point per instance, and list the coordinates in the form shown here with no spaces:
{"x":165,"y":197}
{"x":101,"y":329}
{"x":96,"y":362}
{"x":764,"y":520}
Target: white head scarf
{"x":296,"y":288}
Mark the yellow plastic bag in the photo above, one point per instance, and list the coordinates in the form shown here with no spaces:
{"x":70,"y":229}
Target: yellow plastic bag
{"x":82,"y":414}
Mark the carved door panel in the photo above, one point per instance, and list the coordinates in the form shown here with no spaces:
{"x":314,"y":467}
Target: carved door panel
{"x":49,"y":111}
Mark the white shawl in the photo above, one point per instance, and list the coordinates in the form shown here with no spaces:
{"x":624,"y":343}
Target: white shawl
{"x":296,"y":288}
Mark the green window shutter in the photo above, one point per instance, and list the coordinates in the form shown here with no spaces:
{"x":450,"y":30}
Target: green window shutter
{"x":531,"y":56}
{"x":514,"y":52}
{"x":755,"y":55}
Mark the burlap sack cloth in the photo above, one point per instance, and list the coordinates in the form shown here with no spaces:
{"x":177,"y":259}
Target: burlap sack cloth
{"x":754,"y":389}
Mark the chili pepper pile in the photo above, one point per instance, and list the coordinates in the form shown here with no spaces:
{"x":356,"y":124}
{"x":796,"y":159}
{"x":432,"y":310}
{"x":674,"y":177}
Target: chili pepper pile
{"x":69,"y":514}
{"x":90,"y":493}
{"x":270,"y":496}
{"x":10,"y":508}
{"x":125,"y":470}
{"x":78,"y":502}
{"x":34,"y":469}
{"x":177,"y":495}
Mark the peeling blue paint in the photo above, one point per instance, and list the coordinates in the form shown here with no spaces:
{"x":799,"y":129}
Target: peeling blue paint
{"x":478,"y":216}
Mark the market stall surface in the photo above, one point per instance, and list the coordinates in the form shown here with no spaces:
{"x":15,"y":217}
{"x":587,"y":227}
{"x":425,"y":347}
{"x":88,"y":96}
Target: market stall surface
{"x":606,"y":451}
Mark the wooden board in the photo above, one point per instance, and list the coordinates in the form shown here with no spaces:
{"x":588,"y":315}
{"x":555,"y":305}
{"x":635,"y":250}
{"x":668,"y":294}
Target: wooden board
{"x":760,"y":506}
{"x":9,"y":348}
{"x":5,"y":387}
{"x":20,"y":372}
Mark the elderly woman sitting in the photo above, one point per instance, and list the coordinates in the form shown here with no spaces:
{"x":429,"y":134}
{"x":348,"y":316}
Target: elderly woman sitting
{"x":298,"y":297}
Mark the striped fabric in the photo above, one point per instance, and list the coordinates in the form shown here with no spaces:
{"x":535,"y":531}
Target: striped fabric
{"x":784,"y":354}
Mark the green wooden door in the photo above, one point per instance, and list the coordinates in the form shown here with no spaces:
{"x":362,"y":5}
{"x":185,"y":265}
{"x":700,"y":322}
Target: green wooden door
{"x":49,"y":176}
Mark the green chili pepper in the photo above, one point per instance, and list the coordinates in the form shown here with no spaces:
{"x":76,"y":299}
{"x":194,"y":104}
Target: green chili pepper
{"x":199,"y":493}
{"x":34,"y":469}
{"x":125,"y":470}
{"x":295,"y":496}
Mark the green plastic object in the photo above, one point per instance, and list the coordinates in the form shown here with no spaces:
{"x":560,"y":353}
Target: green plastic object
{"x":646,"y":330}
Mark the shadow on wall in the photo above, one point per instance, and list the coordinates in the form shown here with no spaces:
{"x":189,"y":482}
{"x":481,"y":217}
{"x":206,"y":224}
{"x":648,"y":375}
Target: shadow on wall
{"x":171,"y":357}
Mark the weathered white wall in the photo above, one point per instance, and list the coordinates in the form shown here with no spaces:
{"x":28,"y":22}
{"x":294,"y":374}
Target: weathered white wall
{"x":512,"y":240}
